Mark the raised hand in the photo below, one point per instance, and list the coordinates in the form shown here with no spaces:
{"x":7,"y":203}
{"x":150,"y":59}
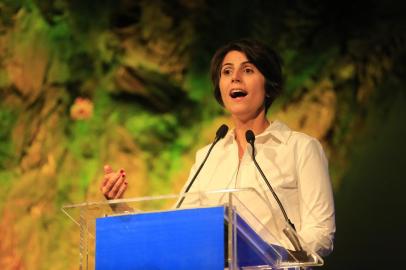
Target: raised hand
{"x":114,"y":184}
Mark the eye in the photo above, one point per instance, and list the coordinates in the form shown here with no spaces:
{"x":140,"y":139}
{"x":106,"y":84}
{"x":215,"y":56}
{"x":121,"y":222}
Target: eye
{"x":226,"y":71}
{"x":248,"y":70}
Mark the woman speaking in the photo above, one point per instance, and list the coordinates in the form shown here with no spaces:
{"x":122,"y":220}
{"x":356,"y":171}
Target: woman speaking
{"x":247,"y":78}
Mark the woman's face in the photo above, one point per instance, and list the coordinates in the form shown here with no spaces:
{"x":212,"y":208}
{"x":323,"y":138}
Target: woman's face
{"x":242,"y":86}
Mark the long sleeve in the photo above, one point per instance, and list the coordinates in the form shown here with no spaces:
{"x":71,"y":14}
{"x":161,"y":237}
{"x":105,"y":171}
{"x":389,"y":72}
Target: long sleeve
{"x":316,"y":199}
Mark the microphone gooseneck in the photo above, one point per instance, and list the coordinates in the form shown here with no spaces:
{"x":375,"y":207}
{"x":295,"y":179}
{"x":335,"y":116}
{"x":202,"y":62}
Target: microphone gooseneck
{"x":250,"y":137}
{"x":220,"y":133}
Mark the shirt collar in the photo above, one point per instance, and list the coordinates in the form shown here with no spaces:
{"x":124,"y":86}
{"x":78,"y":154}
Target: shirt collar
{"x":277,"y":131}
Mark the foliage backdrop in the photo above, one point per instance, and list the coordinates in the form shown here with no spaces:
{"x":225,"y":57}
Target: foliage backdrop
{"x":84,"y":83}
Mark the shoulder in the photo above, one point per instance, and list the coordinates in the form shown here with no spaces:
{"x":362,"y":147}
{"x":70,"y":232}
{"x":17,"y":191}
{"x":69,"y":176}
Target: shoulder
{"x":308,"y":150}
{"x":288,"y":136}
{"x":302,"y":140}
{"x":301,"y":143}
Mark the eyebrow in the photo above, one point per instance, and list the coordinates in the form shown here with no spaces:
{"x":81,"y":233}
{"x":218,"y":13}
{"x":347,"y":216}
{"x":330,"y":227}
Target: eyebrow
{"x":243,"y":63}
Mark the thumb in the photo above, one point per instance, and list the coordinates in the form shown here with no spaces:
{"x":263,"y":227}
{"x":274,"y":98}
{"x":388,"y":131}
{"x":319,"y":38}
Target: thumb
{"x":107,"y":169}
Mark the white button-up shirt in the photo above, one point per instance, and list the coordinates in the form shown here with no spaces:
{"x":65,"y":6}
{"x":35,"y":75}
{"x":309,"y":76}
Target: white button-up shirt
{"x":295,"y":166}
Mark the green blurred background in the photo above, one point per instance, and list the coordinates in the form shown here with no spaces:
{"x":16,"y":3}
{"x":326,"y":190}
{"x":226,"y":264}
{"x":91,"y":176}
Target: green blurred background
{"x":124,"y":82}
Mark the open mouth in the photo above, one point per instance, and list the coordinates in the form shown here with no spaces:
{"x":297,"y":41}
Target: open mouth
{"x":238,"y":93}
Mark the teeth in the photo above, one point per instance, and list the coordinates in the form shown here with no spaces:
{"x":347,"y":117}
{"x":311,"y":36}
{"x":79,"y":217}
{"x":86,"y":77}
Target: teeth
{"x":238,"y":93}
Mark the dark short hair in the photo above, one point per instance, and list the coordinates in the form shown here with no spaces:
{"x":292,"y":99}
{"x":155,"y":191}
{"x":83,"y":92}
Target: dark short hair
{"x":265,"y":59}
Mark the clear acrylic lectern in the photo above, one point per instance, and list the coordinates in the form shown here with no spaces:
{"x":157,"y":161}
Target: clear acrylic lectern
{"x":197,"y":230}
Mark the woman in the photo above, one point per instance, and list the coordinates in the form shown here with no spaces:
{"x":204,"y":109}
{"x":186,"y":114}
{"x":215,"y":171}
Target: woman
{"x":247,"y":78}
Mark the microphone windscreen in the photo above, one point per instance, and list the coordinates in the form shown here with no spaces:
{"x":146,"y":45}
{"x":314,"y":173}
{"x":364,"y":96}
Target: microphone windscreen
{"x":222,"y":131}
{"x":250,"y":136}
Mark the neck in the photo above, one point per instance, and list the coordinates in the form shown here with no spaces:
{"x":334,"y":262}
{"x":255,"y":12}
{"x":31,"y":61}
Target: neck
{"x":257,"y":125}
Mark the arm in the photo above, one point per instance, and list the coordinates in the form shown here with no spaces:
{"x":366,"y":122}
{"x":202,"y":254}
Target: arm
{"x":316,"y":199}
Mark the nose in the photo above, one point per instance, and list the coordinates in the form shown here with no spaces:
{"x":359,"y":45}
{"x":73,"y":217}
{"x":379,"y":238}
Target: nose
{"x":236,"y":77}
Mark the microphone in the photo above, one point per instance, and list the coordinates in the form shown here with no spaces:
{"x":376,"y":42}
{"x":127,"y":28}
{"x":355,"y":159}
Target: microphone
{"x":220,"y":133}
{"x":250,"y":137}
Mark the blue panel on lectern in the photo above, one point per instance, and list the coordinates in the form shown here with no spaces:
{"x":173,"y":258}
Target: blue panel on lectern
{"x":182,"y":239}
{"x":252,"y":249}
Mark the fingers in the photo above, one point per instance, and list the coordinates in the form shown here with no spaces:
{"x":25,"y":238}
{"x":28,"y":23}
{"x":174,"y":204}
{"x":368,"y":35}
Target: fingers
{"x":107,"y":170}
{"x":114,"y":184}
{"x":117,"y":185}
{"x":111,"y":181}
{"x":121,"y":191}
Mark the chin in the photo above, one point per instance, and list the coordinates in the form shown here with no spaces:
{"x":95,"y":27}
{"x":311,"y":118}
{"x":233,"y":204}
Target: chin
{"x":245,"y":113}
{"x":237,"y":110}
